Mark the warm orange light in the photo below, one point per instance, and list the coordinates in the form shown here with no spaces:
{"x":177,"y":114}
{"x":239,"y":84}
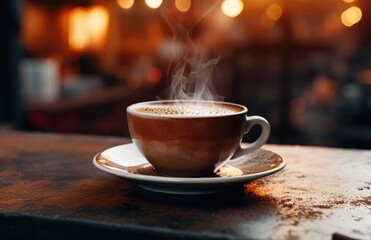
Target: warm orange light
{"x":87,"y":27}
{"x":232,"y":8}
{"x":153,"y":3}
{"x":78,"y":34}
{"x":267,"y":22}
{"x":324,"y":90}
{"x":348,"y":1}
{"x":351,"y":16}
{"x":98,"y":22}
{"x":274,"y":11}
{"x":154,"y":75}
{"x":183,"y":5}
{"x":125,"y":4}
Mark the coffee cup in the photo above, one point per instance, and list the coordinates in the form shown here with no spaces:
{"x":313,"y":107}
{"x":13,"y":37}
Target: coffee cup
{"x":192,"y":138}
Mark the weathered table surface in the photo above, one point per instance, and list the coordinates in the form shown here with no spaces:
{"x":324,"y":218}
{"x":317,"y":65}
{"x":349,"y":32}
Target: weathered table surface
{"x":49,"y":188}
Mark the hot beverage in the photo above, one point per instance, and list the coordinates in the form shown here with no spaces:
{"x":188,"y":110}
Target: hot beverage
{"x":190,"y":139}
{"x":192,"y":109}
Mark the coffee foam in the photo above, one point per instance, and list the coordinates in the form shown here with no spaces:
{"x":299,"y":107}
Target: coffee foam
{"x":187,"y":109}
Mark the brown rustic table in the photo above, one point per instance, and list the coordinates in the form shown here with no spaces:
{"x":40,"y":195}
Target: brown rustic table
{"x":49,"y":188}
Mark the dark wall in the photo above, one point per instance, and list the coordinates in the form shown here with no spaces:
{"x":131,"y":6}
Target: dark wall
{"x":10,"y":96}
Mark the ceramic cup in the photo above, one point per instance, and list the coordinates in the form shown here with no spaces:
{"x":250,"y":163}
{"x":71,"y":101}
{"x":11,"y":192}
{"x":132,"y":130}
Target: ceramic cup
{"x":192,"y":138}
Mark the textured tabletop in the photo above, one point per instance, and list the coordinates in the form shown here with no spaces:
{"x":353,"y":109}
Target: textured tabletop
{"x":49,"y":188}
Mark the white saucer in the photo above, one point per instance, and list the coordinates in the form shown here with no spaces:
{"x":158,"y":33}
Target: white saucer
{"x":127,"y":162}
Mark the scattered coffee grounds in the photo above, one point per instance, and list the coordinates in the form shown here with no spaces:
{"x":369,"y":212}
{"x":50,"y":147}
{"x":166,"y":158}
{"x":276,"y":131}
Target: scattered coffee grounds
{"x":367,"y":186}
{"x":288,"y":208}
{"x":295,"y":209}
{"x":362,"y":201}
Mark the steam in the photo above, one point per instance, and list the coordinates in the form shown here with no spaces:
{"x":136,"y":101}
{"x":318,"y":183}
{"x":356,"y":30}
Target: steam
{"x":192,"y":80}
{"x":191,"y":74}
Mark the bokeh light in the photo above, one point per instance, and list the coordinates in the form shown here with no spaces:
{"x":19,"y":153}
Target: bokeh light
{"x":153,"y":3}
{"x":232,"y":8}
{"x":78,"y":32}
{"x":87,"y":27}
{"x":154,"y":75}
{"x":183,"y":5}
{"x":348,"y":1}
{"x":98,"y":24}
{"x":351,"y":16}
{"x":274,"y":11}
{"x":125,"y":4}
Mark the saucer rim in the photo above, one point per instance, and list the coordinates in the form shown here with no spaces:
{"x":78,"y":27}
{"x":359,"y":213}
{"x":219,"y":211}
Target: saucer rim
{"x":140,"y":178}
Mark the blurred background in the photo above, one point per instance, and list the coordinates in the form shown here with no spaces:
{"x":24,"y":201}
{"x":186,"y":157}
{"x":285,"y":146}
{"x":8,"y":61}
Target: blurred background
{"x":72,"y":66}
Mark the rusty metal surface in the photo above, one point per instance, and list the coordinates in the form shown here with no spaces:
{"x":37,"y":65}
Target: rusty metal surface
{"x":50,"y":188}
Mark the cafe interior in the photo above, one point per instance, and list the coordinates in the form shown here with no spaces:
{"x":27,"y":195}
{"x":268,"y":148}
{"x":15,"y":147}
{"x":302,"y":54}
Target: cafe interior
{"x":73,"y":66}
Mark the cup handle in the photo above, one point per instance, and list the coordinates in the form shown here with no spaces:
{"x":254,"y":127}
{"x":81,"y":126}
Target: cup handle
{"x":251,"y":121}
